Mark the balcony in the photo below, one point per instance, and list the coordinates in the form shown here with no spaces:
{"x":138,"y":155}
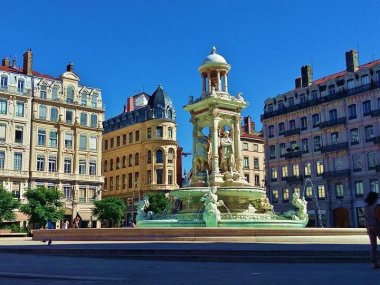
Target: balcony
{"x":14,"y":173}
{"x":15,"y":90}
{"x":332,"y":123}
{"x":293,"y":179}
{"x":67,"y":176}
{"x":334,"y":147}
{"x":292,"y":154}
{"x":336,"y":96}
{"x":376,"y":140}
{"x":375,"y":113}
{"x":292,"y":132}
{"x":336,"y":174}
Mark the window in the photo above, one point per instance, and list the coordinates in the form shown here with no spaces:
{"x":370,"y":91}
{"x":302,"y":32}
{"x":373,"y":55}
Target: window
{"x":159,"y":157}
{"x":68,"y":140}
{"x":91,"y":193}
{"x":274,"y":196}
{"x":314,"y":95}
{"x":303,"y":123}
{"x":20,"y":85}
{"x":118,"y":141}
{"x":272,"y":152}
{"x":105,"y":166}
{"x":137,"y":180}
{"x":82,"y":142}
{"x":335,"y":137}
{"x":280,"y":105}
{"x":159,"y":176}
{"x":17,"y":163}
{"x":94,"y":120}
{"x":297,"y":190}
{"x":284,"y":171}
{"x":292,"y":124}
{"x":82,"y":166}
{"x":171,"y":156}
{"x":67,"y":192}
{"x":333,"y":114}
{"x":365,"y":79}
{"x":372,"y":160}
{"x":369,"y":135}
{"x":296,"y":170}
{"x":257,"y":180}
{"x":53,"y":138}
{"x":170,"y":177}
{"x":124,"y":139}
{"x":112,"y":142}
{"x":270,"y":108}
{"x":293,"y":145}
{"x":70,"y":94}
{"x":302,"y":98}
{"x":331,"y":89}
{"x":354,"y":133}
{"x":320,"y":169}
{"x":305,"y":145}
{"x":111,"y":164}
{"x":83,"y":119}
{"x":374,"y":185}
{"x":321,"y":192}
{"x":159,"y":132}
{"x":255,"y":147}
{"x":2,"y":159}
{"x":54,"y":93}
{"x":358,"y":188}
{"x":352,"y":112}
{"x":54,"y":114}
{"x":52,"y":163}
{"x":117,"y":163}
{"x":105,"y":144}
{"x":18,"y":134}
{"x":130,"y":160}
{"x":92,"y":170}
{"x":309,"y":192}
{"x":83,"y":99}
{"x":69,"y":116}
{"x":245,"y":146}
{"x":317,"y":143}
{"x":124,"y":162}
{"x":2,"y":132}
{"x":130,"y":180}
{"x":246,"y":162}
{"x":285,"y":195}
{"x":315,"y":120}
{"x":117,"y":178}
{"x":149,"y":133}
{"x":40,"y":163}
{"x":19,"y":109}
{"x":4,"y":82}
{"x":82,"y":194}
{"x":338,"y":163}
{"x":350,"y":84}
{"x":92,"y":143}
{"x":357,"y":162}
{"x":94,"y":99}
{"x":67,"y":165}
{"x":111,"y":183}
{"x":367,"y":108}
{"x":16,"y":186}
{"x":149,"y":157}
{"x":124,"y":181}
{"x":42,"y":112}
{"x":41,"y":139}
{"x":130,"y":137}
{"x":307,"y":168}
{"x":291,"y":101}
{"x":137,"y":136}
{"x":43,"y":92}
{"x":271,"y":131}
{"x":170,"y":133}
{"x":281,"y":128}
{"x":273,"y":172}
{"x":256,"y":163}
{"x":339,"y":190}
{"x":3,"y":106}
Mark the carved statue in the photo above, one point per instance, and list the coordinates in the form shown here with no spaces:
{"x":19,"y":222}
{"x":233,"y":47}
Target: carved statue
{"x":142,"y":205}
{"x":227,"y":160}
{"x":211,"y":214}
{"x":301,"y":204}
{"x":201,"y":152}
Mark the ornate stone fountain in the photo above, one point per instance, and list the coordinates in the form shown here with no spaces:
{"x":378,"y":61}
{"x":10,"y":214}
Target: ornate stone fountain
{"x":218,"y":194}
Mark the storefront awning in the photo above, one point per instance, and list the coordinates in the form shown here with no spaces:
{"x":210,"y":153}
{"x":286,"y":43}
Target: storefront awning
{"x":86,"y":216}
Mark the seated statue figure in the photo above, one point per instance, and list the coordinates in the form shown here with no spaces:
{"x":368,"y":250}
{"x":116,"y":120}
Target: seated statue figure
{"x":142,"y":205}
{"x":301,"y":205}
{"x":211,"y":213}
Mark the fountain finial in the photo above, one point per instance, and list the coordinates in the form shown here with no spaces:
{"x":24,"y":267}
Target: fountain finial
{"x":213,"y":50}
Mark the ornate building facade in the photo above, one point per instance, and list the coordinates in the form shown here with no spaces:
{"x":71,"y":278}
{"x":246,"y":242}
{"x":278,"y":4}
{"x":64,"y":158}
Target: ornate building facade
{"x":140,"y":149}
{"x":54,"y":128}
{"x":322,"y":140}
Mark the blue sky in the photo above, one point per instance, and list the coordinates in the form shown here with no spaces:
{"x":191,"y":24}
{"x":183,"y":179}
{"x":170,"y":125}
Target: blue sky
{"x":124,"y":47}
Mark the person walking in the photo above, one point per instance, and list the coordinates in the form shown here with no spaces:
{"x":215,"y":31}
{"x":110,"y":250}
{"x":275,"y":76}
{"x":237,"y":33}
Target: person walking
{"x":372,"y":222}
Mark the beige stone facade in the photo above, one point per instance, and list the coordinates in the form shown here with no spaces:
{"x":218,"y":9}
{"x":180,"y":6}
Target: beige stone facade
{"x":322,"y":139}
{"x":140,"y":149}
{"x":61,"y":137}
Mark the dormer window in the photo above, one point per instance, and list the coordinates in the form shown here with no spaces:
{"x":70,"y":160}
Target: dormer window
{"x":365,"y":79}
{"x":94,"y":99}
{"x":70,"y":94}
{"x":4,"y":82}
{"x":43,"y":92}
{"x":20,"y":85}
{"x":270,"y":108}
{"x":281,"y":105}
{"x":302,"y":98}
{"x":83,"y":100}
{"x":291,"y":101}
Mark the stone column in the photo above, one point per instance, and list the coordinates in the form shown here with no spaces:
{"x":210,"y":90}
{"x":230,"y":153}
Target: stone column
{"x":165,"y":168}
{"x":215,"y":155}
{"x":218,"y":83}
{"x":209,"y":82}
{"x":203,"y":83}
{"x":225,"y":82}
{"x":61,"y":145}
{"x":238,"y":155}
{"x":193,"y":122}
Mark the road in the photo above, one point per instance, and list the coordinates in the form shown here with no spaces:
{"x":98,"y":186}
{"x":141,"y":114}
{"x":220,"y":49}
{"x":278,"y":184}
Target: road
{"x":28,"y":269}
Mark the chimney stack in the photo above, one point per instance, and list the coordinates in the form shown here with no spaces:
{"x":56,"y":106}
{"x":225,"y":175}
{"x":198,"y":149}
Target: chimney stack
{"x":298,"y":82}
{"x":130,"y":105}
{"x":248,"y":124}
{"x":70,"y":67}
{"x":5,"y":62}
{"x":27,"y":66}
{"x":352,"y":61}
{"x":307,"y":75}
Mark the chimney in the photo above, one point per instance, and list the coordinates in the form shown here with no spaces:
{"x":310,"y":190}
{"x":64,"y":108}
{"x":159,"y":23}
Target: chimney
{"x":298,"y":82}
{"x":27,"y":66}
{"x":352,"y":61}
{"x":70,"y":67}
{"x":130,"y":104}
{"x":248,"y":125}
{"x":307,"y":75}
{"x":5,"y":62}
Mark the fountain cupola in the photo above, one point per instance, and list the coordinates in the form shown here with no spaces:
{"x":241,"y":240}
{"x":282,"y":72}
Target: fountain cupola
{"x":214,"y":72}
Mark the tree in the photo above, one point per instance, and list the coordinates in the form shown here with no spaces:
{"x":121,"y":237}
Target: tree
{"x":7,"y":204}
{"x":43,"y":204}
{"x":158,"y":202}
{"x":110,"y":210}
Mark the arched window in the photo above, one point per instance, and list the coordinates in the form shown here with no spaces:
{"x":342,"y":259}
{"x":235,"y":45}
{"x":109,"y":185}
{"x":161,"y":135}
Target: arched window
{"x":117,"y":163}
{"x":124,"y":161}
{"x":111,"y":164}
{"x":137,"y":159}
{"x":94,"y":120}
{"x":70,"y":94}
{"x":149,"y":157}
{"x":170,"y":114}
{"x":4,"y":82}
{"x":42,"y":112}
{"x":83,"y":99}
{"x":159,"y":156}
{"x":130,"y":160}
{"x":171,"y":156}
{"x":105,"y":166}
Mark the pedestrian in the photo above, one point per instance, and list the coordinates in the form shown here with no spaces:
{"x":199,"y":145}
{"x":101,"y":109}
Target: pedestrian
{"x":372,"y":222}
{"x":66,"y":225}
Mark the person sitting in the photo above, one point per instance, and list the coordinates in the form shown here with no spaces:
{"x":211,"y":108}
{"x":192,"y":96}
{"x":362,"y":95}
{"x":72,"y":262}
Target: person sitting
{"x":372,"y":223}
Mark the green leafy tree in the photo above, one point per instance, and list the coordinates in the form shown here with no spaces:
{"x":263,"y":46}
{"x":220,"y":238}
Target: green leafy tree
{"x":110,"y":210}
{"x":43,"y":204}
{"x":7,"y":204}
{"x":158,"y":202}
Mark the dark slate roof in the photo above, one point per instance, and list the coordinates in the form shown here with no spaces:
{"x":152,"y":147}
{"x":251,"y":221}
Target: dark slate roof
{"x":159,"y":99}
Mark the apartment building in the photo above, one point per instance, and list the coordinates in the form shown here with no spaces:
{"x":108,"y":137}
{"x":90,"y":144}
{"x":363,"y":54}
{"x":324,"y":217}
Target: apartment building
{"x":322,"y":139}
{"x":140,"y":149}
{"x":53,"y":134}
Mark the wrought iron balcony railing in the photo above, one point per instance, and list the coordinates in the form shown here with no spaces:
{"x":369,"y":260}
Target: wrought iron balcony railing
{"x":332,"y":123}
{"x":336,"y":174}
{"x":293,"y":154}
{"x":292,"y":132}
{"x":334,"y":147}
